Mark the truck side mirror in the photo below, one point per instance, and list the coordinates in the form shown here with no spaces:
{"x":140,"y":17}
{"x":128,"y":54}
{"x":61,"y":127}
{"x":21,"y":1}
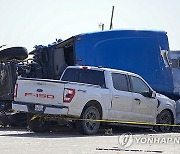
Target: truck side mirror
{"x":153,"y":94}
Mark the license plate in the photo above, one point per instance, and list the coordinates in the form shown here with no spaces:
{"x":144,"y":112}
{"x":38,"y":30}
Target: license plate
{"x":38,"y":107}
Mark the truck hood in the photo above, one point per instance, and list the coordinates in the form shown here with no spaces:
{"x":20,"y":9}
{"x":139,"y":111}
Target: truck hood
{"x":165,"y":100}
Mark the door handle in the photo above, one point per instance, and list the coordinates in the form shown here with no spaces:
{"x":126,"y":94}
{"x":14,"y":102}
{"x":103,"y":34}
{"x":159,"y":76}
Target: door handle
{"x":116,"y":96}
{"x":82,"y":90}
{"x":137,"y":100}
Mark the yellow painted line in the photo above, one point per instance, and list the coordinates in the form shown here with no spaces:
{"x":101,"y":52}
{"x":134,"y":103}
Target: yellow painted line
{"x":106,"y":121}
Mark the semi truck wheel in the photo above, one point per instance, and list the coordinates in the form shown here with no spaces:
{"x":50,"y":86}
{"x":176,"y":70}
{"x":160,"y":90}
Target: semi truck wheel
{"x":4,"y":121}
{"x":18,"y":119}
{"x":37,"y":125}
{"x":87,"y":127}
{"x":19,"y":53}
{"x":164,"y":117}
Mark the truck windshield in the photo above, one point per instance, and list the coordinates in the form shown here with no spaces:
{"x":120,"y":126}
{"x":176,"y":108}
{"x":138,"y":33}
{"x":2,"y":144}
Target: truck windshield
{"x":84,"y":76}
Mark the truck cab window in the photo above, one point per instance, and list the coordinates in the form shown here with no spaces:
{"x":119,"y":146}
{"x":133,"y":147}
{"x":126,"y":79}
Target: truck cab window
{"x":138,"y":86}
{"x":71,"y":75}
{"x":84,"y":76}
{"x":120,"y":82}
{"x":92,"y":77}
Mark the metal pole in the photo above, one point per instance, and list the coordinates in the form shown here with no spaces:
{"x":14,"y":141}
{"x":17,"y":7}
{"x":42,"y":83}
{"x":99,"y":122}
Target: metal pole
{"x":111,"y":24}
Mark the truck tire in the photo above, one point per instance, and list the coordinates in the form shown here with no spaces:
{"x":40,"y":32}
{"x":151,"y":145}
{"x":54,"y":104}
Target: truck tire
{"x":4,"y":121}
{"x":164,"y":117}
{"x":37,"y":125}
{"x":86,"y":127}
{"x":19,"y":53}
{"x":18,"y":119}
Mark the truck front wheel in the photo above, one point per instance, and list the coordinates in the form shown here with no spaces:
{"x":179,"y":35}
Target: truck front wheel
{"x":89,"y":127}
{"x":164,"y":117}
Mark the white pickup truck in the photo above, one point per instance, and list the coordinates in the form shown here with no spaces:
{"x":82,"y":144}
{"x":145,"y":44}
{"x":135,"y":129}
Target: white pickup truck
{"x":94,"y":93}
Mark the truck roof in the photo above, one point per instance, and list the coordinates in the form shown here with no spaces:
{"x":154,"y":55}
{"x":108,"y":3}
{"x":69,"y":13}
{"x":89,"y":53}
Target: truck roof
{"x":129,"y":32}
{"x":109,"y":70}
{"x":122,"y":33}
{"x":104,"y":69}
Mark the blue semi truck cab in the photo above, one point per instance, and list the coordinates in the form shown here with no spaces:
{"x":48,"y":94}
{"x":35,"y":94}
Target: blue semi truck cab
{"x":143,"y":52}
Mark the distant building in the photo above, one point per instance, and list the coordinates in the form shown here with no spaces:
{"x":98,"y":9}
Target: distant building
{"x":175,"y":60}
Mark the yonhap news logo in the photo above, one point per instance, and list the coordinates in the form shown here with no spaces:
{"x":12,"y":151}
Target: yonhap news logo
{"x":125,"y":140}
{"x":128,"y":139}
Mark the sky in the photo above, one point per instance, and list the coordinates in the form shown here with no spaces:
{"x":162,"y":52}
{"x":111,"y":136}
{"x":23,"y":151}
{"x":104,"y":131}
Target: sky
{"x":39,"y":22}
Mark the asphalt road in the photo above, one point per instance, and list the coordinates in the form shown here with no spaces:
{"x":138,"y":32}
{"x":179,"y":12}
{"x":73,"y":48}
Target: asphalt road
{"x":21,"y":141}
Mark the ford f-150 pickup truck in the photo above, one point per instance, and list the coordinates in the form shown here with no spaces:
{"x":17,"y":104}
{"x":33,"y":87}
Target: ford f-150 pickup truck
{"x":86,"y":92}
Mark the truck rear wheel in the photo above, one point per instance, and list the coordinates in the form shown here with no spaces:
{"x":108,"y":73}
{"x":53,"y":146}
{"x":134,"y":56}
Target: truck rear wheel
{"x":88,"y":127}
{"x":37,"y":125}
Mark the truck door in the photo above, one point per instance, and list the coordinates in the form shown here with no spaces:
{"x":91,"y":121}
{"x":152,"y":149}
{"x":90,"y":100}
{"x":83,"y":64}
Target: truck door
{"x":144,"y":107}
{"x":122,"y":98}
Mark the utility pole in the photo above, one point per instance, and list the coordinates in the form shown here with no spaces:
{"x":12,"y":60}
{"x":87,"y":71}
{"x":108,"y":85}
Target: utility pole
{"x":111,"y":23}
